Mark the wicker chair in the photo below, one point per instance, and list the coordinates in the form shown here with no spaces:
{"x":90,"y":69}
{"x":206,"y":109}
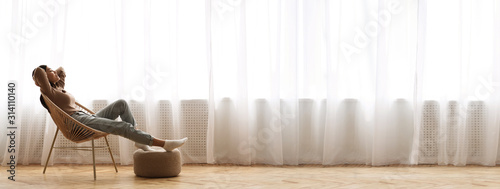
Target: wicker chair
{"x":75,"y":131}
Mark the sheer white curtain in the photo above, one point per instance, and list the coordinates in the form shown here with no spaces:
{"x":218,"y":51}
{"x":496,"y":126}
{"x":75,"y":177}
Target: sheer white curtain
{"x":268,"y":81}
{"x":312,"y":82}
{"x":356,"y":82}
{"x":457,"y":77}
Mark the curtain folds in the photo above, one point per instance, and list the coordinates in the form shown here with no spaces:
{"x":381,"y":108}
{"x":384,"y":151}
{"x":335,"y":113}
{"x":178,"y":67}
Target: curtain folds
{"x":268,"y":81}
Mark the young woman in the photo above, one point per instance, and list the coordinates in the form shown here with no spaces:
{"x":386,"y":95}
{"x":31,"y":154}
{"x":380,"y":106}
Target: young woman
{"x":52,"y":82}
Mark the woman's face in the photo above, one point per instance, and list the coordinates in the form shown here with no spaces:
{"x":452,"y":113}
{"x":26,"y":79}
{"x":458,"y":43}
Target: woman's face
{"x":52,"y":75}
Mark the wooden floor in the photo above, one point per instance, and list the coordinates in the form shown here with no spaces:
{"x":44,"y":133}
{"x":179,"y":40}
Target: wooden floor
{"x":227,"y":176}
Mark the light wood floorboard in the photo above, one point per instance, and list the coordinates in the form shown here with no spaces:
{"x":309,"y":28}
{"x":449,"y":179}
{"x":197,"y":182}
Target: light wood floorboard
{"x":231,"y":176}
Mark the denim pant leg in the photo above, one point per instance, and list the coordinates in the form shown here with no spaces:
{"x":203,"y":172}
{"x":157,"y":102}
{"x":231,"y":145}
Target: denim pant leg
{"x":115,"y":109}
{"x":121,"y":128}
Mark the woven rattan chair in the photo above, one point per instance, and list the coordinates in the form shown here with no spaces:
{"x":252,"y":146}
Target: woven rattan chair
{"x":75,"y":131}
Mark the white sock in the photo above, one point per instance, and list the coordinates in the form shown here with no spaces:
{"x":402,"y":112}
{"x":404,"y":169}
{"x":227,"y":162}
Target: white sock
{"x":173,"y":144}
{"x":143,"y":147}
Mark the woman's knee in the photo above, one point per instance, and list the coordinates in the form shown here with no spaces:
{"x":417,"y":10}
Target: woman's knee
{"x":121,"y":102}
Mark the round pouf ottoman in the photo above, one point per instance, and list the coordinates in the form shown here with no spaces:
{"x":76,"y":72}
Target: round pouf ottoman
{"x":157,"y":163}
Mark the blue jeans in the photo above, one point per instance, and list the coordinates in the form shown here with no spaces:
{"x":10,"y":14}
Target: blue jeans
{"x":104,"y":120}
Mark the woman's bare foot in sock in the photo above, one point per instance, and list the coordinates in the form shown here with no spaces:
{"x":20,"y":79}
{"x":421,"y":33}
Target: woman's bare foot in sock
{"x":173,"y":144}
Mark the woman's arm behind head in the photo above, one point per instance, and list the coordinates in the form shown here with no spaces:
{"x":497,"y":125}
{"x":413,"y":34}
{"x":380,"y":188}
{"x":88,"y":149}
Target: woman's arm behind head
{"x":62,"y":74}
{"x":39,"y":74}
{"x":41,"y":80}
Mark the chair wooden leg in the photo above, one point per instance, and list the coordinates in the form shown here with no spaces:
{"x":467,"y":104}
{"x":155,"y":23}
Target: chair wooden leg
{"x":111,"y":154}
{"x":50,"y":152}
{"x":93,"y":157}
